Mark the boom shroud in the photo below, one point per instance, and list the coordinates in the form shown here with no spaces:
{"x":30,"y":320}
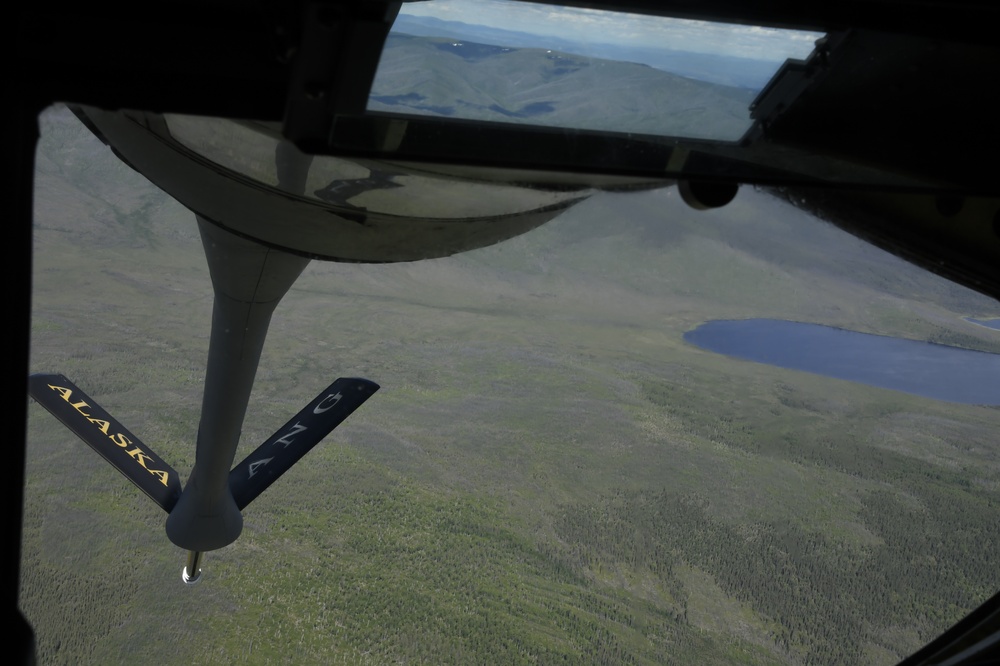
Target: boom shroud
{"x":264,"y":210}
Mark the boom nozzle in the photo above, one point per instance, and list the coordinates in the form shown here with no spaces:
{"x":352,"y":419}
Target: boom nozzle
{"x":193,"y":564}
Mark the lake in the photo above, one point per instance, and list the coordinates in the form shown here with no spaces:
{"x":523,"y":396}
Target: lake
{"x":988,"y":323}
{"x":923,"y":368}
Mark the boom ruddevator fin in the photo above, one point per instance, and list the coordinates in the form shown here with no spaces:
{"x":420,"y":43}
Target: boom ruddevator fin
{"x":113,"y":441}
{"x":297,"y":437}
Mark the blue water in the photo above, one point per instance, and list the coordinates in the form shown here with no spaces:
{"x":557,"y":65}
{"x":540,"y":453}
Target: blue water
{"x":923,"y":368}
{"x":988,"y":323}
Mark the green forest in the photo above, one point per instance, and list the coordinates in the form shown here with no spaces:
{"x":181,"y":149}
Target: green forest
{"x":549,"y":474}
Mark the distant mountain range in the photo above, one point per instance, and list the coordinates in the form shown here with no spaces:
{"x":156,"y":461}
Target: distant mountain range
{"x":456,"y":77}
{"x":712,"y":68}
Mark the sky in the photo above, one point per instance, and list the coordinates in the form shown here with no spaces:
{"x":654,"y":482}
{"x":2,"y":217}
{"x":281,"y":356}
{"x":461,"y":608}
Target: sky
{"x":618,"y":28}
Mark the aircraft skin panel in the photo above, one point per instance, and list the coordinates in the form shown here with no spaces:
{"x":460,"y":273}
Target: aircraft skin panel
{"x":109,"y":438}
{"x":297,"y":437}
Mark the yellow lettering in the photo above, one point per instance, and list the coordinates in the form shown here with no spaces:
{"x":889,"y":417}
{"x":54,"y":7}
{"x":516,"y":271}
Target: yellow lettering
{"x":64,"y":392}
{"x":139,"y":455}
{"x":162,"y":476}
{"x":120,"y":439}
{"x":101,"y":424}
{"x":79,"y":407}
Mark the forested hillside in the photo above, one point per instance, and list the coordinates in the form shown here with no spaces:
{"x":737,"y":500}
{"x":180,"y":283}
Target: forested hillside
{"x":550,"y":474}
{"x":443,"y":77}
